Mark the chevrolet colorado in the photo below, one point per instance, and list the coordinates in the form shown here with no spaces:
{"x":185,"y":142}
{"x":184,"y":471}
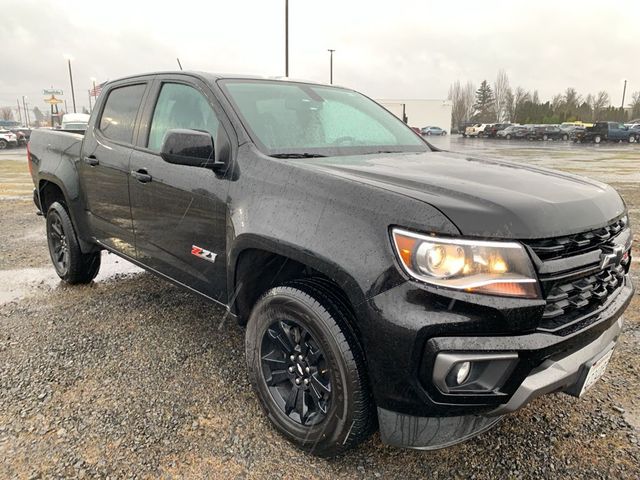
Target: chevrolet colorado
{"x":383,"y":283}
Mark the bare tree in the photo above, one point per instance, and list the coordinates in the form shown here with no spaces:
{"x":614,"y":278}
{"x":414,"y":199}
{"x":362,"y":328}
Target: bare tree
{"x":6,"y":113}
{"x":461,"y":97}
{"x":557,"y":102}
{"x":520,"y":97}
{"x":535,"y":99}
{"x":509,"y":105}
{"x":635,"y":105}
{"x":500,"y":89}
{"x":598,"y":102}
{"x":571,"y":100}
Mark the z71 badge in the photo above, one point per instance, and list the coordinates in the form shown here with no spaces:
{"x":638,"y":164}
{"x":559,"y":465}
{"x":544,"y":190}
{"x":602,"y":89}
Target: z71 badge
{"x":204,"y":254}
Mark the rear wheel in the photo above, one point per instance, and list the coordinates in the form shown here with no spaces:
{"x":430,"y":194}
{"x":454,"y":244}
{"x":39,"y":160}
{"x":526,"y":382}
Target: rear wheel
{"x":508,"y":136}
{"x":307,"y":369}
{"x":545,"y":137}
{"x":70,"y":263}
{"x":632,"y":138}
{"x":597,"y":139}
{"x":565,"y":137}
{"x":3,"y":144}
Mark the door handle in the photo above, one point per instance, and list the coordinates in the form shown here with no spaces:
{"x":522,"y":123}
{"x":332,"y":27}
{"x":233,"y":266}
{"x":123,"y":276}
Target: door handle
{"x":141,"y":175}
{"x":91,"y":160}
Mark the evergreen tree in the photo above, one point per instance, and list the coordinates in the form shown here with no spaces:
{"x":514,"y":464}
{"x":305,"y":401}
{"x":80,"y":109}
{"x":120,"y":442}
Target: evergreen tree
{"x":484,"y":105}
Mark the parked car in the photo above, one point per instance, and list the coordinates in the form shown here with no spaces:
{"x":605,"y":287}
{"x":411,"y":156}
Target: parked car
{"x":634,"y":128}
{"x":492,"y":130}
{"x":513,"y":132}
{"x":476,"y":130}
{"x":547,"y":132}
{"x":462,"y":128}
{"x":8,"y":139}
{"x":23,"y":135}
{"x":606,"y":131}
{"x":466,"y":288}
{"x":433,"y":131}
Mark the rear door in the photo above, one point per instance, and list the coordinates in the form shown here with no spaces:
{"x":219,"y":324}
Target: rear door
{"x":104,"y":166}
{"x":179,"y":212}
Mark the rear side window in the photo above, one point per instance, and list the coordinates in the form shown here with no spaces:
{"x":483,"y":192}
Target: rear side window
{"x":120,"y":111}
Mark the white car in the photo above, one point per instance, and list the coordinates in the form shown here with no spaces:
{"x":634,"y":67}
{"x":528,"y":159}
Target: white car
{"x":476,"y":130}
{"x":8,"y":139}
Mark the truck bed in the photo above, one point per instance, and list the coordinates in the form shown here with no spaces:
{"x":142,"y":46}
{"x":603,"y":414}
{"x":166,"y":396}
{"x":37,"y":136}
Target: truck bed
{"x":48,"y":148}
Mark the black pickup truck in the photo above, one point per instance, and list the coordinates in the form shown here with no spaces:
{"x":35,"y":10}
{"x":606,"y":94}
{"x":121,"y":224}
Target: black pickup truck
{"x":383,"y":283}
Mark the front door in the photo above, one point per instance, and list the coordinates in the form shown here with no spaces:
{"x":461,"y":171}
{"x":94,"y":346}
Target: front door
{"x":179,"y":212}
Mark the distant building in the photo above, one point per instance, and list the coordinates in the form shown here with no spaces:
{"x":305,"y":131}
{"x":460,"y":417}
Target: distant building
{"x":421,"y":113}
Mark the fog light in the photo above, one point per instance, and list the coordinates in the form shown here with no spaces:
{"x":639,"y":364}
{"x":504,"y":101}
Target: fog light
{"x":462,"y":373}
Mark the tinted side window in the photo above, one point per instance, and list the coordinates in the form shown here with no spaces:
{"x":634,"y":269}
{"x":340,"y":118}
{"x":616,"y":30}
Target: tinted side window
{"x":180,"y":106}
{"x":120,"y":110}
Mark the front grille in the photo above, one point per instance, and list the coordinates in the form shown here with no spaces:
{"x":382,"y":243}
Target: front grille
{"x":550,"y":248}
{"x":570,"y":302}
{"x":576,"y":293}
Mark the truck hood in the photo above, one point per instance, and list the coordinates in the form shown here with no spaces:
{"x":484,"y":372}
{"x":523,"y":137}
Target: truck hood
{"x":483,"y":197}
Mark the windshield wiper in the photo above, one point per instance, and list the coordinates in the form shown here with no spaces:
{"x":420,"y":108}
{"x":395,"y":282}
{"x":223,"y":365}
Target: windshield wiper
{"x":297,"y":155}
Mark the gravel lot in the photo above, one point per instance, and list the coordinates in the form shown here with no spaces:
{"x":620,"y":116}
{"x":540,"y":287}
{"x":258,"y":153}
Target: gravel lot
{"x":132,"y":377}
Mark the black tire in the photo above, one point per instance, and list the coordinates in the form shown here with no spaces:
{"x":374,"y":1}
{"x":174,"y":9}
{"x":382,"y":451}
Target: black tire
{"x":565,"y":137}
{"x":344,"y":414}
{"x":70,"y":263}
{"x":3,"y":144}
{"x":597,"y":139}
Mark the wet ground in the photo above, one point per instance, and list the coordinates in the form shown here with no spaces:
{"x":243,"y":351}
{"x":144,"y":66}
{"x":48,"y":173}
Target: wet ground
{"x":132,"y":377}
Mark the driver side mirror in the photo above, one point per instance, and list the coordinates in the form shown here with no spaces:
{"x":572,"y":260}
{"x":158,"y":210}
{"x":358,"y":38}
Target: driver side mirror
{"x":193,"y":148}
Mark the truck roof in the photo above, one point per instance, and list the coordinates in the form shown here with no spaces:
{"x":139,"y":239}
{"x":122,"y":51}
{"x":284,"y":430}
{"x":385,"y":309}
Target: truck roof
{"x":212,"y":77}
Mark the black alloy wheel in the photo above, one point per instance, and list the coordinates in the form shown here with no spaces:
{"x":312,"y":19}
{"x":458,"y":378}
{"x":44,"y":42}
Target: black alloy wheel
{"x":71,"y":264}
{"x":296,"y":371}
{"x":58,"y":243}
{"x":307,"y":368}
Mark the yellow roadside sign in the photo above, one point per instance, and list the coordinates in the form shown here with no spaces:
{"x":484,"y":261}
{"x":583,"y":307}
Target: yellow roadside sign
{"x":53,"y":100}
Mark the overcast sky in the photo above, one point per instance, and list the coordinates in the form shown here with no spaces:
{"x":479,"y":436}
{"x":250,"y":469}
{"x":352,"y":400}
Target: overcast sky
{"x":386,"y":49}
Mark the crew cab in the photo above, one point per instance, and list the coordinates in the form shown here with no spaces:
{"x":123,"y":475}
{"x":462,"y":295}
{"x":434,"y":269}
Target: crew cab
{"x":384,"y":283}
{"x":606,"y":131}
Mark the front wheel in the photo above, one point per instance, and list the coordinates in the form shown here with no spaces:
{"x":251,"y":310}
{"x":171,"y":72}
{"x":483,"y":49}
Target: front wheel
{"x":565,"y":137}
{"x":3,"y":144}
{"x":632,"y":139}
{"x":307,"y":369}
{"x":597,"y":139}
{"x":70,"y":263}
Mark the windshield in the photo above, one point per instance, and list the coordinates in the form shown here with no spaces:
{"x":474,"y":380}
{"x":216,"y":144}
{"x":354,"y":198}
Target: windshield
{"x":295,"y":118}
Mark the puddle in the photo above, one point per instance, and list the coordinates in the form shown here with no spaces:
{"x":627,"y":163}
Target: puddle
{"x":18,"y":284}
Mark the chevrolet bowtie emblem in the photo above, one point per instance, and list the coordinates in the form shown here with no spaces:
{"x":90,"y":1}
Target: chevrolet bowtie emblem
{"x":614,"y":257}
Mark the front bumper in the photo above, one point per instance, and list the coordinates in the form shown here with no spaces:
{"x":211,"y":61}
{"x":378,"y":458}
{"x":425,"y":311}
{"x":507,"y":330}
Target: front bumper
{"x":414,"y":412}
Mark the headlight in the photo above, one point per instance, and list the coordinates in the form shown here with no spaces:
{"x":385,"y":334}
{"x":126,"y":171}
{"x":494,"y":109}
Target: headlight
{"x":495,"y":268}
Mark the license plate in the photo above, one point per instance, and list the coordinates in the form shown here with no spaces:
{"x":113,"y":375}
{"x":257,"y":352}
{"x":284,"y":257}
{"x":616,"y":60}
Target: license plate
{"x":595,"y":372}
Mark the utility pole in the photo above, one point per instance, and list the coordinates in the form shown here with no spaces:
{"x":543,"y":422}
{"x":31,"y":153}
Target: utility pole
{"x":20,"y":112}
{"x":73,"y":95}
{"x":90,"y":107}
{"x":286,"y":38}
{"x":331,"y":65}
{"x":26,"y":112}
{"x":624,"y":91}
